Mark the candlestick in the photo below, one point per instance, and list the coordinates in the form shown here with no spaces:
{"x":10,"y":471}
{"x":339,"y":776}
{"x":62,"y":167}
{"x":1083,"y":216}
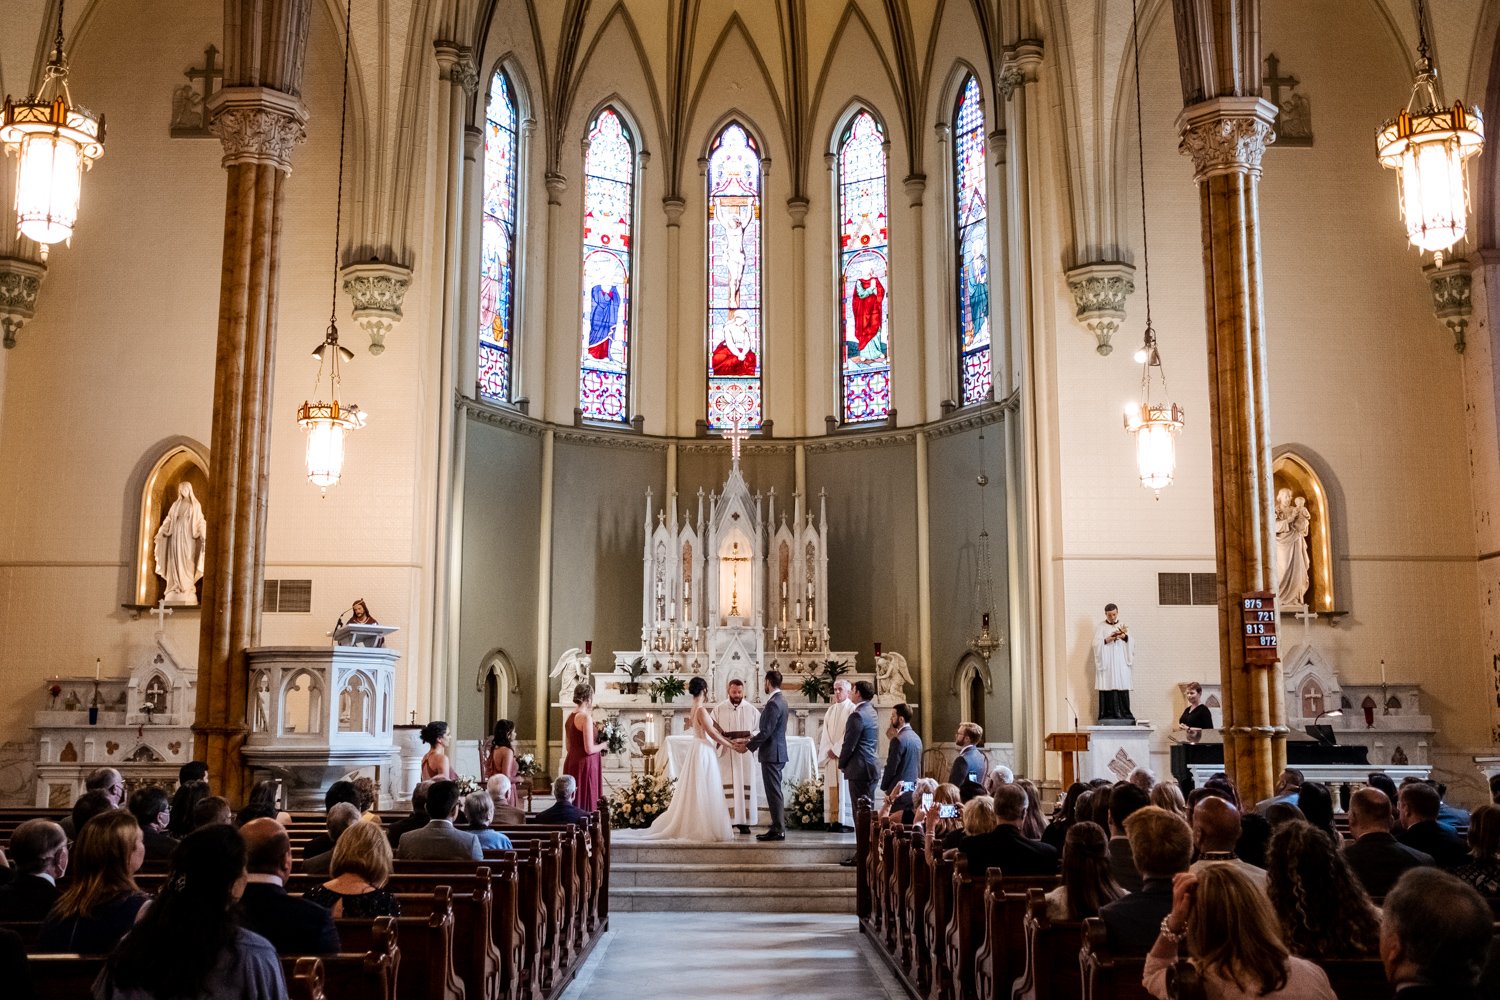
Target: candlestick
{"x":984,"y":621}
{"x":1382,"y":673}
{"x":96,"y":668}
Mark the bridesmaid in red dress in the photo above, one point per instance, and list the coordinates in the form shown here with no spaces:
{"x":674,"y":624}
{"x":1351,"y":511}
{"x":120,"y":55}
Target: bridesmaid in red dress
{"x":585,"y":756}
{"x":503,"y":757}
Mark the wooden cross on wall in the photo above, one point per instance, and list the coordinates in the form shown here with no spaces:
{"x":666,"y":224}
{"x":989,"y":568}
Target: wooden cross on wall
{"x":1273,"y":81}
{"x":190,"y":104}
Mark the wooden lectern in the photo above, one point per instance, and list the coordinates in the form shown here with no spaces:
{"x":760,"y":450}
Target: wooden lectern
{"x":1067,"y":744}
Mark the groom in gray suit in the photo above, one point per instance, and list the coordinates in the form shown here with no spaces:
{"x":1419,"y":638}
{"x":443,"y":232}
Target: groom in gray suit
{"x":769,"y":743}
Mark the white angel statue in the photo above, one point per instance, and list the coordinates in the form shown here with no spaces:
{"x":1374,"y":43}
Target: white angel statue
{"x":574,"y":666}
{"x":891,"y":677}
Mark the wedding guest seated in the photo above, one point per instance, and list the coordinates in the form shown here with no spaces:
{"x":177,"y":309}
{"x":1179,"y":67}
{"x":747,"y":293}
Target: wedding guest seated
{"x":1482,"y":870}
{"x":153,"y":811}
{"x":908,"y":804}
{"x":109,"y":784}
{"x":39,"y":849}
{"x":340,"y":791}
{"x":564,"y":789}
{"x":89,"y":805}
{"x":1086,"y":882}
{"x":1143,"y":779}
{"x":1005,"y":847}
{"x":479,"y":811}
{"x":1495,"y":789}
{"x":1000,"y":775}
{"x":264,"y":802}
{"x":1287,"y":787}
{"x":1448,"y":815}
{"x":1232,"y":941}
{"x":1418,"y":805}
{"x":1034,"y":826}
{"x":1278,"y":813}
{"x":189,"y":943}
{"x":1324,"y":911}
{"x":1161,"y":845}
{"x":361,"y":868}
{"x":501,"y":791}
{"x":101,"y":901}
{"x":184,"y":801}
{"x":944,"y":821}
{"x":416,"y":820}
{"x":212,"y":810}
{"x":1382,"y":781}
{"x":1316,"y":803}
{"x":1124,"y":800}
{"x":341,"y":817}
{"x":293,"y":925}
{"x":440,"y":840}
{"x":1066,"y":816}
{"x":1377,"y":858}
{"x":1167,"y":795}
{"x":1435,"y":933}
{"x":1216,"y":831}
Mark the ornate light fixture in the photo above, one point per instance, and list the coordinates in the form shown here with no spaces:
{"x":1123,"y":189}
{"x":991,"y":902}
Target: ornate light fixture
{"x":984,"y":643}
{"x":54,"y":141}
{"x":1427,"y":144}
{"x":327,"y":423}
{"x":1155,"y":425}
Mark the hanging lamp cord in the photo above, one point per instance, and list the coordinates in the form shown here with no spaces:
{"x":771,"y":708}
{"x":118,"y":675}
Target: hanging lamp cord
{"x":338,"y":212}
{"x":1153,"y":356}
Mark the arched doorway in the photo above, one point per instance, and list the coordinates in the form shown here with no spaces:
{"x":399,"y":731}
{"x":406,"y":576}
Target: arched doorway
{"x":972,"y":685}
{"x":500,"y":686}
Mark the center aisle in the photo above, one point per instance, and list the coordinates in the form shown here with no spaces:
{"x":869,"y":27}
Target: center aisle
{"x":728,"y":956}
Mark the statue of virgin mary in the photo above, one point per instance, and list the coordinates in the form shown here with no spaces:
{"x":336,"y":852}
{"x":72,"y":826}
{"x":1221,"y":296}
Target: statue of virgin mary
{"x":180,"y":546}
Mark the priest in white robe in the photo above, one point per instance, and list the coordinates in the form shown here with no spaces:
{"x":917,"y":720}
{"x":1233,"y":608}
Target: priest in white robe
{"x":838,"y":810}
{"x":736,"y":715}
{"x":1114,"y":655}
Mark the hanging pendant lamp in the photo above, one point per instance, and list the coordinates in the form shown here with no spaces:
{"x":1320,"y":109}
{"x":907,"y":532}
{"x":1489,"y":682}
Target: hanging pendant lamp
{"x":328,"y":423}
{"x":1154,"y":423}
{"x":1428,"y":145}
{"x":54,"y":142}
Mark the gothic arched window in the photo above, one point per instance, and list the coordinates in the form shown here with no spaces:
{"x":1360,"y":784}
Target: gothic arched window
{"x":608,"y":241}
{"x":497,"y":242}
{"x":865,"y":350}
{"x":734,"y":286}
{"x":972,"y":243}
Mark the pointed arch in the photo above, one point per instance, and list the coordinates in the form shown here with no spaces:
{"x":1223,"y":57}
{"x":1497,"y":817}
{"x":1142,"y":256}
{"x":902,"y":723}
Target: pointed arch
{"x":861,"y":154}
{"x":611,"y":167}
{"x":972,"y":683}
{"x":499,"y":682}
{"x":732,"y":26}
{"x":500,"y":214}
{"x":970,"y":216}
{"x":734,"y":174}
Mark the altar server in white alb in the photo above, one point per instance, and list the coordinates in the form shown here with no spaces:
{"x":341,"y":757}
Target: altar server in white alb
{"x":1114,"y":654}
{"x":837,"y":809}
{"x":736,"y":715}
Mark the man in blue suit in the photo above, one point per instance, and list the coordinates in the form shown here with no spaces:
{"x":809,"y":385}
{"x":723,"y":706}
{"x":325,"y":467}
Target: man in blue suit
{"x":903,"y":763}
{"x":769,"y":744}
{"x":857,"y":757}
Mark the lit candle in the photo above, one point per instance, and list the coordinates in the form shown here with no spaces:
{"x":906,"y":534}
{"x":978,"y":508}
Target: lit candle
{"x":96,"y":668}
{"x":984,"y":621}
{"x":588,"y":647}
{"x":1382,"y":673}
{"x":877,"y":649}
{"x":651,"y":728}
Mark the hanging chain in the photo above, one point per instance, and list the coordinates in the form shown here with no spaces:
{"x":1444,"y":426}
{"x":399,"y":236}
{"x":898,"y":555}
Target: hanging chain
{"x":1153,"y":356}
{"x":332,"y":350}
{"x":59,"y":47}
{"x":1424,"y":57}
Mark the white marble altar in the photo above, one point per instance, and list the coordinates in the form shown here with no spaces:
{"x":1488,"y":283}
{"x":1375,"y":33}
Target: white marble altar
{"x":143,"y":726}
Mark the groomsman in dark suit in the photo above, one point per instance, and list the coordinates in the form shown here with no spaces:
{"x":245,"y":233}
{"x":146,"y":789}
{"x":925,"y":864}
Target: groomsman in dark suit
{"x":857,"y":757}
{"x":769,"y":743}
{"x":903,"y":762}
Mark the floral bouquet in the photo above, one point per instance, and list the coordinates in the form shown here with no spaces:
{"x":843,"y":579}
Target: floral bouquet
{"x":527,"y":766}
{"x":468,"y":783}
{"x":640,"y":801}
{"x":805,"y":808}
{"x":613,"y":735}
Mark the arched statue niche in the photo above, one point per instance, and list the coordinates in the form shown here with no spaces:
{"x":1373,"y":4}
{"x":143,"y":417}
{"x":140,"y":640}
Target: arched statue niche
{"x":1306,"y":529}
{"x":159,"y":475}
{"x":500,"y":684}
{"x":972,"y":684}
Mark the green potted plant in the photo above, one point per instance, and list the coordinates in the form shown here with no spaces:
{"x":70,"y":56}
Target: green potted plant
{"x":665,"y":689}
{"x":815,"y":688}
{"x":635,"y":670}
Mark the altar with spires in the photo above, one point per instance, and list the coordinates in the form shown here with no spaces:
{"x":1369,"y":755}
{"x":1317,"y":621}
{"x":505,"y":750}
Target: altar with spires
{"x":734,"y":584}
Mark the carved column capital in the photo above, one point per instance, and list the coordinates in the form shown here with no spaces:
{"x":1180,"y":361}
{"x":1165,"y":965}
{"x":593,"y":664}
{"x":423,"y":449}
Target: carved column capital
{"x":1099,"y":291}
{"x":20,"y":280}
{"x":556,"y":184}
{"x":456,"y":65}
{"x":257,"y":125}
{"x":1452,"y":287}
{"x":673,"y":207}
{"x":796,"y":208}
{"x":376,"y":290}
{"x":1226,"y":135}
{"x":1020,"y":66}
{"x":916,"y":188}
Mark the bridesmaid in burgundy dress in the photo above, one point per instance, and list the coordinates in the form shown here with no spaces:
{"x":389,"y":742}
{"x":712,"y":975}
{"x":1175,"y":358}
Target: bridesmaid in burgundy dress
{"x":584,"y":760}
{"x":503,"y":757}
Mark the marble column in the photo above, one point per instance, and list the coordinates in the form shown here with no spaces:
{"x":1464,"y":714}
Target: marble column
{"x":672,"y":208}
{"x":260,"y":118}
{"x":1225,"y":128}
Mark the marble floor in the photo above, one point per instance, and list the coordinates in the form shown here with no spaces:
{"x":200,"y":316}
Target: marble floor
{"x":734,"y":956}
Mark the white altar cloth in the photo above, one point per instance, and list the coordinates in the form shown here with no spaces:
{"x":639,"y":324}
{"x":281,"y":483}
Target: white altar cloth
{"x":801,"y":762}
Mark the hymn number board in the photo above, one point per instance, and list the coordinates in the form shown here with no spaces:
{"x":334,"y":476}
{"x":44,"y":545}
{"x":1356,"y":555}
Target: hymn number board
{"x":1258,"y":612}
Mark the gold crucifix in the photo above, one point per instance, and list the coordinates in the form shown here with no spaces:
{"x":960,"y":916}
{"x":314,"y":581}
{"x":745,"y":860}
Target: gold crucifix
{"x":734,"y":594}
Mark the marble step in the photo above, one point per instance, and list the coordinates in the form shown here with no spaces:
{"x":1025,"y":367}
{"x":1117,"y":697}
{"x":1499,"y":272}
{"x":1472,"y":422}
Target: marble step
{"x":729,"y":876}
{"x":793,"y":899}
{"x":826,"y":849}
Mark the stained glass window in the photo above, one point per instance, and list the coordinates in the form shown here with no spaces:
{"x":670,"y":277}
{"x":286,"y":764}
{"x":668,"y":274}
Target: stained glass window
{"x":734,"y":270}
{"x":497,"y":242}
{"x":972,"y":243}
{"x":608,"y":240}
{"x":865,"y":375}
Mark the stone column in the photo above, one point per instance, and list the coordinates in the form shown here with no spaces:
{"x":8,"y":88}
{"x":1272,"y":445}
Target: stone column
{"x":672,"y":208}
{"x":260,"y":118}
{"x":812,"y":350}
{"x":1225,"y":128}
{"x":916,"y":189}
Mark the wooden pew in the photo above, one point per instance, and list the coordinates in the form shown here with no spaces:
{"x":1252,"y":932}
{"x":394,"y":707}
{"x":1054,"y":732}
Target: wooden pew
{"x":965,"y":927}
{"x":476,"y":959}
{"x":1001,"y":959}
{"x":900,"y":886}
{"x":73,"y":975}
{"x":369,"y":975}
{"x":1108,"y":975}
{"x":426,"y":949}
{"x":863,"y":817}
{"x":29,"y":931}
{"x":939,"y":913}
{"x":1051,"y":954}
{"x":921,"y":888}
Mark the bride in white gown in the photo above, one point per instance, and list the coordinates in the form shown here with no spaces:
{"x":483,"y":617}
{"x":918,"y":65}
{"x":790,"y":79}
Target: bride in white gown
{"x":697,"y":810}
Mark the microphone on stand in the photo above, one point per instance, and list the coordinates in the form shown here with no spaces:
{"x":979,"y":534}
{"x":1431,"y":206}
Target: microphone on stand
{"x":1074,"y":711}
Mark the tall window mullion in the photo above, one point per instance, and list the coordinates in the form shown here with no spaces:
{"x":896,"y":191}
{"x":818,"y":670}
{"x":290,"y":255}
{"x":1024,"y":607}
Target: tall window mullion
{"x":734,"y":280}
{"x":497,"y":244}
{"x":608,"y":246}
{"x":864,"y":272}
{"x":971,"y":233}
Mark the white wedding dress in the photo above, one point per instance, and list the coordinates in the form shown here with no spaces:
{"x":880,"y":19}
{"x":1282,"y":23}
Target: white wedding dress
{"x":697,"y":811}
